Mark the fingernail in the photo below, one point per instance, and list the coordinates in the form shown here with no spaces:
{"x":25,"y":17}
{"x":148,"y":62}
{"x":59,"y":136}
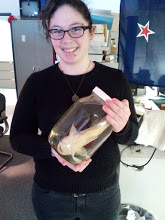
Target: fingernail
{"x":107,"y":101}
{"x":64,"y":163}
{"x":81,"y":170}
{"x":104,"y":107}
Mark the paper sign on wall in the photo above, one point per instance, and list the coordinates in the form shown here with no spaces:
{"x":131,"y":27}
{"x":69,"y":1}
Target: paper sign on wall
{"x":23,"y":37}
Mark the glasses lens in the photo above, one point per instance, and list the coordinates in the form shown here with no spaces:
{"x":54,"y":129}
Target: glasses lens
{"x":56,"y":34}
{"x":76,"y":32}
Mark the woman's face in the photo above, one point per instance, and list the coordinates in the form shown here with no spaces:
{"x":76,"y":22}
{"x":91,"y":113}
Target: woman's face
{"x":70,"y":50}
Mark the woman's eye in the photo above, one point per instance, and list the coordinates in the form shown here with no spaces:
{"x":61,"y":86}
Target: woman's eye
{"x":76,"y":29}
{"x":56,"y":31}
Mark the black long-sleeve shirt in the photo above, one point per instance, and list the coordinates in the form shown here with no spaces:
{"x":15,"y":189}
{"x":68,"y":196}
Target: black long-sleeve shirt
{"x":44,"y":98}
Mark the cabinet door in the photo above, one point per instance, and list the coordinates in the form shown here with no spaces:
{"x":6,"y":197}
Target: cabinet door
{"x":23,"y":51}
{"x":43,"y":48}
{"x":31,"y":50}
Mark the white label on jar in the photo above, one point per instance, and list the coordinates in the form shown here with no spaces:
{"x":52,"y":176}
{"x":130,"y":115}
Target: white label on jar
{"x":101,"y":93}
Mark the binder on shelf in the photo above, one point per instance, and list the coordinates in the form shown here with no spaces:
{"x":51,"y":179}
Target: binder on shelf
{"x":100,"y":46}
{"x":102,"y":17}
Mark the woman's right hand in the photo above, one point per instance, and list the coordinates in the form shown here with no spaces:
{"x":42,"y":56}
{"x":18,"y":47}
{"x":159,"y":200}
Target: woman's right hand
{"x":76,"y":168}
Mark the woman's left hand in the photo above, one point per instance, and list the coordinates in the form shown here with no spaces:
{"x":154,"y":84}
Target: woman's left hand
{"x":76,"y":168}
{"x":118,"y":113}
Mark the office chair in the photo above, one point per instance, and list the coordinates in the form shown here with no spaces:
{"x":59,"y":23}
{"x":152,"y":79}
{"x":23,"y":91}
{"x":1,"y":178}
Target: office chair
{"x":3,"y":120}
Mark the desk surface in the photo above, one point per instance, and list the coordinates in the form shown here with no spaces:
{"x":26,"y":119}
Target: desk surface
{"x":152,"y":104}
{"x":142,"y":103}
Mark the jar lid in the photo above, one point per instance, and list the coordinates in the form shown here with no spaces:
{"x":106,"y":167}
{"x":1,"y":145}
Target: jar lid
{"x":101,"y":93}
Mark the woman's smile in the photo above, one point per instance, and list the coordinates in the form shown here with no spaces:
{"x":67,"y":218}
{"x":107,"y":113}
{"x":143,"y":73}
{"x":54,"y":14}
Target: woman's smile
{"x":70,"y":50}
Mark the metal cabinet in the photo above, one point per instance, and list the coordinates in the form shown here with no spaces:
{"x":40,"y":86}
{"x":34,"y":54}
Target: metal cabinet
{"x":31,"y":51}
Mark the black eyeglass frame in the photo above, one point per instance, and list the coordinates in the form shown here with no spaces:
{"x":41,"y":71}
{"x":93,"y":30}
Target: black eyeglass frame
{"x":64,"y":31}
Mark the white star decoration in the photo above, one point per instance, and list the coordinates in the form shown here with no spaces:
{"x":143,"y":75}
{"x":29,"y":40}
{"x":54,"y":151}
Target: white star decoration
{"x":145,"y":31}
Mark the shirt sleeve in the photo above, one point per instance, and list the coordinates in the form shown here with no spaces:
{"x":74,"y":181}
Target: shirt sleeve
{"x":24,"y":137}
{"x":129,"y":134}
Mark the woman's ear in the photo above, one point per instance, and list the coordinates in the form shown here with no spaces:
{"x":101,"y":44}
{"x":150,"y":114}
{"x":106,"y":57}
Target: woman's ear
{"x":92,"y":33}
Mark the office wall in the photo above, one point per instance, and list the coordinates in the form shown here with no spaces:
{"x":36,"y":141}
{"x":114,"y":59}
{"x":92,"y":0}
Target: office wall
{"x":7,"y":6}
{"x":5,"y":40}
{"x":112,"y":5}
{"x":10,"y":6}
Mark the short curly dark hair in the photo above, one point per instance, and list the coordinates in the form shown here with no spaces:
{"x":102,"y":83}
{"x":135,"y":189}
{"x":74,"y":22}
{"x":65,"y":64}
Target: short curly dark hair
{"x":51,"y":7}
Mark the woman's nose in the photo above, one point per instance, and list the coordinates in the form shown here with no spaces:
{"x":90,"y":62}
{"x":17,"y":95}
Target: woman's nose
{"x":67,"y":36}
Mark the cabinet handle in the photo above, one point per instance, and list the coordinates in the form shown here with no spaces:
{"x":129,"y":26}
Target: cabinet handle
{"x":34,"y":68}
{"x":38,"y":68}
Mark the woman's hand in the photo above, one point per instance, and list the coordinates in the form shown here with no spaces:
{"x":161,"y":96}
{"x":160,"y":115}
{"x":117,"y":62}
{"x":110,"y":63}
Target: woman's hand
{"x":118,"y":113}
{"x":76,"y":168}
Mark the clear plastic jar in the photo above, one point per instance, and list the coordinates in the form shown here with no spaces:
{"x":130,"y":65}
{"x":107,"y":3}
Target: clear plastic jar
{"x":82,"y":129}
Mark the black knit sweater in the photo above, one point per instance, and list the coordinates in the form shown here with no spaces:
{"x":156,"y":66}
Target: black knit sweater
{"x":43,"y":100}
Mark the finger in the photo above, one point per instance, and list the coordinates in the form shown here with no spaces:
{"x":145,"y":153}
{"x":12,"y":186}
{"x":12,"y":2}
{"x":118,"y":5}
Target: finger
{"x":125,"y":102}
{"x":84,"y":165}
{"x":112,"y":107}
{"x":123,"y":105}
{"x":58,"y":157}
{"x":115,"y":113}
{"x":115,"y":125}
{"x":115,"y":104}
{"x":118,"y":113}
{"x":64,"y":163}
{"x":54,"y":153}
{"x":80,"y":167}
{"x":72,"y":167}
{"x":75,"y":168}
{"x":115,"y":107}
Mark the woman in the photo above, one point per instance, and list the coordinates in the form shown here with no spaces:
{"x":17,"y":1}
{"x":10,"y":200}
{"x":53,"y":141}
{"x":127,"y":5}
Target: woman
{"x":62,"y":190}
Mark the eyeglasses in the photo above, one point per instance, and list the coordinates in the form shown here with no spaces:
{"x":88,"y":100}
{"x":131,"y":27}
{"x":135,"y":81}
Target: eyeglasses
{"x":74,"y":32}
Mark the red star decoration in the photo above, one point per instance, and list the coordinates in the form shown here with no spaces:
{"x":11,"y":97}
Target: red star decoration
{"x":145,"y":31}
{"x":11,"y":18}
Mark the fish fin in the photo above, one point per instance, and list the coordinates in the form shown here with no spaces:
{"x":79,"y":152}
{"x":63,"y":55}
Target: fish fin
{"x":72,"y":130}
{"x":81,"y":151}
